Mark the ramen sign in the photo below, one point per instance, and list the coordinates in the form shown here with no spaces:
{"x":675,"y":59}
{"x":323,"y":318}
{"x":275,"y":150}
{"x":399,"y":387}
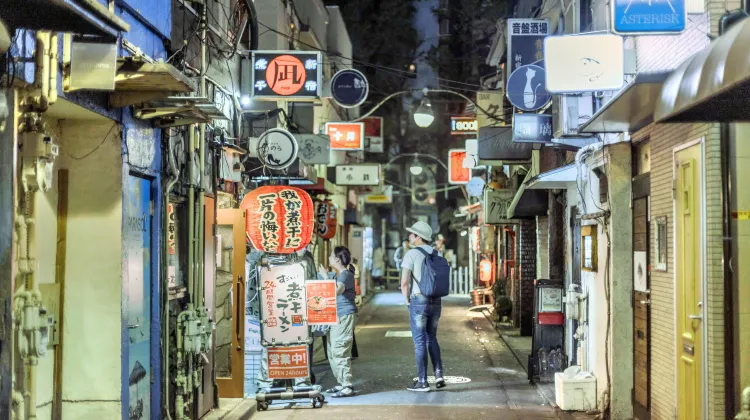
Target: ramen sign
{"x":286,"y":74}
{"x":278,"y":219}
{"x":325,"y":215}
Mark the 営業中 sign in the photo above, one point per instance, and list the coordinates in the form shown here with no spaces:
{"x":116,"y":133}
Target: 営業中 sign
{"x":457,"y":174}
{"x":349,"y":88}
{"x":346,"y":135}
{"x":288,"y":362}
{"x":364,"y":174}
{"x":532,"y":128}
{"x":288,"y":74}
{"x":526,"y":88}
{"x":321,"y":302}
{"x":464,"y":125}
{"x":526,"y":41}
{"x":277,"y":149}
{"x":632,"y":17}
{"x":283,"y":303}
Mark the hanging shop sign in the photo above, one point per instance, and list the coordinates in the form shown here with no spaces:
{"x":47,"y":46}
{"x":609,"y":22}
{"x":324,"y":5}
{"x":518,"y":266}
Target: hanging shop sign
{"x":525,"y":41}
{"x":475,"y":187}
{"x":464,"y":126}
{"x":648,"y":17}
{"x":314,"y":149}
{"x":475,"y":237}
{"x":485,"y":271}
{"x":349,"y":88}
{"x":496,"y":143}
{"x":286,"y":74}
{"x":532,"y":128}
{"x":374,"y":134}
{"x":327,"y":219}
{"x":279,"y":219}
{"x":490,"y":108}
{"x":526,"y":88}
{"x":346,"y":135}
{"x":382,"y":195}
{"x":457,"y":174}
{"x":288,"y":362}
{"x":171,"y":230}
{"x":364,"y":174}
{"x":584,"y":63}
{"x":495,"y":206}
{"x":277,"y":149}
{"x":321,"y":302}
{"x":283,"y":298}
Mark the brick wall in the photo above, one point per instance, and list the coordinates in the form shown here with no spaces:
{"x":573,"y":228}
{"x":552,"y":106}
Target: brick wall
{"x":556,"y":222}
{"x":542,"y":249}
{"x":527,"y":274}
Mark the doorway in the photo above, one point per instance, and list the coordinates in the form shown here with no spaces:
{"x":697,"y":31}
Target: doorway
{"x":230,"y":303}
{"x":206,"y":389}
{"x":689,"y":276}
{"x":641,"y":301}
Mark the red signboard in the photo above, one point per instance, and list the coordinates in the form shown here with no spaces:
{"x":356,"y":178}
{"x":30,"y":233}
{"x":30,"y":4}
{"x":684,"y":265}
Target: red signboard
{"x":321,"y":302}
{"x":288,"y":362}
{"x":373,"y":127}
{"x":171,"y":230}
{"x":325,"y":216}
{"x":278,"y":219}
{"x":458,"y":174}
{"x":346,"y":135}
{"x":286,"y":75}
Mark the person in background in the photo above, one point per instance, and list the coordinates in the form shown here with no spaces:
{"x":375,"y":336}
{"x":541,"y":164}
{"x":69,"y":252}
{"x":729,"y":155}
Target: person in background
{"x":444,"y":251}
{"x":398,"y":256}
{"x":378,"y":268}
{"x":424,"y":312}
{"x":341,"y":335}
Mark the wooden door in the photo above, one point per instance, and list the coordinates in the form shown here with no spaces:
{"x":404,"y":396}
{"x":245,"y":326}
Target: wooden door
{"x":641,"y":302}
{"x":206,"y":390}
{"x":230,"y":303}
{"x":689,"y":266}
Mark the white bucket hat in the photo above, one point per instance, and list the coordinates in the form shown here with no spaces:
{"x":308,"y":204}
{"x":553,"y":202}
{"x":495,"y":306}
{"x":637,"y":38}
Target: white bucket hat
{"x":421,"y":229}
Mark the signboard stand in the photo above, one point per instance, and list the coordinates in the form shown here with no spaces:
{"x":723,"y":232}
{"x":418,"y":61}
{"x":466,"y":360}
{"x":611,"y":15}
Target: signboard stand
{"x":285,"y":334}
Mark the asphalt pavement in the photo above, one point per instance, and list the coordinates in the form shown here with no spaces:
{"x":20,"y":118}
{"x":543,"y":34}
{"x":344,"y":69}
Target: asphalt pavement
{"x":485,"y":381}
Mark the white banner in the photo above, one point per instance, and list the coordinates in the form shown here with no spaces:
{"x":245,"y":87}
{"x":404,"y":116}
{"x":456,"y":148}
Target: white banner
{"x":283,"y":303}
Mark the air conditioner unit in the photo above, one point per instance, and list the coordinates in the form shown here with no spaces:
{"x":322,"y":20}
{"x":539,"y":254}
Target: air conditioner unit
{"x":423,"y":188}
{"x":299,"y":173}
{"x":569,"y":112}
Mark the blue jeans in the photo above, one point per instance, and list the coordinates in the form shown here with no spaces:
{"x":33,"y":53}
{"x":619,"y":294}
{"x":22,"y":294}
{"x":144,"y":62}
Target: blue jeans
{"x":424,"y":314}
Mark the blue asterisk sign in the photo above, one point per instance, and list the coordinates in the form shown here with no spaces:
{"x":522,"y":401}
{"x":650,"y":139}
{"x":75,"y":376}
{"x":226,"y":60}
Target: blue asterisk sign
{"x":648,"y":16}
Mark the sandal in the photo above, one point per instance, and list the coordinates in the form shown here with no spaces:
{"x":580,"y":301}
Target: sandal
{"x":345,"y":392}
{"x":336,"y":388}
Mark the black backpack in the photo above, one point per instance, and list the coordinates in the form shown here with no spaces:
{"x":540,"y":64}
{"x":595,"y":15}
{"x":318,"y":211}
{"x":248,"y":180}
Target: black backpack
{"x":435,"y":280}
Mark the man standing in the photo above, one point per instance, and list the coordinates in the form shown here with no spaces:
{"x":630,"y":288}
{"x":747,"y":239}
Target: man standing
{"x":424,"y":312}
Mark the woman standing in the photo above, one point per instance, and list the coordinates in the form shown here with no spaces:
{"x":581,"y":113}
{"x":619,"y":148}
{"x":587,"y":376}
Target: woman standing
{"x":341,"y":335}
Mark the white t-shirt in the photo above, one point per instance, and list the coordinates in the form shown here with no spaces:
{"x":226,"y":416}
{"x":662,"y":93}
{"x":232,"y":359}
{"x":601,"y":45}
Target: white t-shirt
{"x":413,"y":261}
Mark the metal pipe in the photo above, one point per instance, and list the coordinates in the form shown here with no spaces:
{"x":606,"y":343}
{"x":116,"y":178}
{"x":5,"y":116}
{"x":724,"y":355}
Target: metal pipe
{"x":202,"y":164}
{"x":191,"y":215}
{"x":165,"y":273}
{"x":729,"y":289}
{"x":53,"y":65}
{"x":41,"y":75}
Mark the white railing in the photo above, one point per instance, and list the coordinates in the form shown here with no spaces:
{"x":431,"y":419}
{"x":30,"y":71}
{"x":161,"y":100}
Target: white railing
{"x":460,"y":282}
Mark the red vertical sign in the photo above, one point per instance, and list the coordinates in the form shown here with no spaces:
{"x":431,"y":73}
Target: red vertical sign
{"x":458,"y":174}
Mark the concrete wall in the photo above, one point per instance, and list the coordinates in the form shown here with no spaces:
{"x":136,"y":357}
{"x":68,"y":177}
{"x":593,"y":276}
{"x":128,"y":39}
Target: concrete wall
{"x":93,"y":275}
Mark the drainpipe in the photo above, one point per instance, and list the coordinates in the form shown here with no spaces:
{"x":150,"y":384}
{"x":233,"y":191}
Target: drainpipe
{"x":175,"y":174}
{"x":53,"y":64}
{"x":41,"y":70}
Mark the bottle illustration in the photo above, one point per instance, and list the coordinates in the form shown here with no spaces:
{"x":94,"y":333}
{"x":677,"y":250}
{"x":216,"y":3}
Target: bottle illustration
{"x":529,"y":96}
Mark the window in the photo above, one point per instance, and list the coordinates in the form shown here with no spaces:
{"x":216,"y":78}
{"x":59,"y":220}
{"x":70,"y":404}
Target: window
{"x":661,"y":243}
{"x":589,"y":245}
{"x":445,"y":27}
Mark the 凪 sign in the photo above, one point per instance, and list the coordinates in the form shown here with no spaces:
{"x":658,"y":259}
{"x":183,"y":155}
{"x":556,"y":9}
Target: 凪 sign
{"x":288,"y":362}
{"x":314,"y":149}
{"x":289,"y":74}
{"x":533,"y":128}
{"x":346,"y":135}
{"x":321,"y":302}
{"x":457,"y":174}
{"x":526,"y":41}
{"x":283,"y":303}
{"x":464,"y":125}
{"x":631,"y":17}
{"x":365,"y":174}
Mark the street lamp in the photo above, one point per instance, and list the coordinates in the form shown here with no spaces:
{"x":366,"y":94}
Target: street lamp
{"x":415,"y":167}
{"x":423,"y":116}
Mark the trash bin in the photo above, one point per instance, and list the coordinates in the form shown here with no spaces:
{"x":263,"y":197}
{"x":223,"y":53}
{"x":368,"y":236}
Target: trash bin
{"x":575,"y":390}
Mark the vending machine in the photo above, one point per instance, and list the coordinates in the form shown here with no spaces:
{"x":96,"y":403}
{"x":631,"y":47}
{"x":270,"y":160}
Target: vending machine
{"x":547,"y":353}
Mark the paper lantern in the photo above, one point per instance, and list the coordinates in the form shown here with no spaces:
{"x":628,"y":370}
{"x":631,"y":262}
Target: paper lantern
{"x":485,"y":271}
{"x":278,"y":219}
{"x":325,"y":215}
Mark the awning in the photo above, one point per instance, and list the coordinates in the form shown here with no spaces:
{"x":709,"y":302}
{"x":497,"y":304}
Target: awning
{"x":528,"y":202}
{"x":631,"y":109}
{"x":84,"y":17}
{"x":559,"y":178}
{"x":138,"y":81}
{"x":713,"y":85}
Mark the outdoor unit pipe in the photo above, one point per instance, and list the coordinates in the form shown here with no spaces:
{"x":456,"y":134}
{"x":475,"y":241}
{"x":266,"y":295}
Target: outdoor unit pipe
{"x":41,"y":70}
{"x":175,"y":175}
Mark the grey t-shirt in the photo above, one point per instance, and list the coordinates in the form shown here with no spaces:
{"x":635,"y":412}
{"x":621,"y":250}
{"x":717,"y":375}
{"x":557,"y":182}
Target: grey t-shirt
{"x":345,"y":302}
{"x":413,"y":261}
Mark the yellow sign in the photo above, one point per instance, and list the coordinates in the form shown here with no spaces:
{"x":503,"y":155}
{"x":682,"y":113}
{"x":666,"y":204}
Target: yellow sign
{"x":741,"y":215}
{"x":377,"y":198}
{"x":490,"y":102}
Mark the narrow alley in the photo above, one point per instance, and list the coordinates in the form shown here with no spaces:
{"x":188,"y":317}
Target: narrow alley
{"x":484,"y":379}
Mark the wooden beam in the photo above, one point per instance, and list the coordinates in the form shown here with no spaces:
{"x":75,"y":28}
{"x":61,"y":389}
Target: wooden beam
{"x":61,"y":255}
